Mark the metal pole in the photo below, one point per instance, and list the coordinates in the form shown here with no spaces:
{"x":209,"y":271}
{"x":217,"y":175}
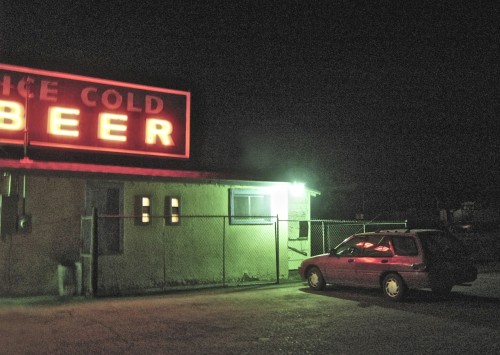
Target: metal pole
{"x":323,"y":246}
{"x":95,"y":253}
{"x":29,"y":81}
{"x":277,"y":245}
{"x":224,"y":251}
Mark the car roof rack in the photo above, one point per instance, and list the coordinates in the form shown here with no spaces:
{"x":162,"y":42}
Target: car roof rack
{"x":408,"y":230}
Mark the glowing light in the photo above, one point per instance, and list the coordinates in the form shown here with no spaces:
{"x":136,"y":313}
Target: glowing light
{"x":297,"y":189}
{"x":11,"y":116}
{"x":146,"y":209}
{"x":60,"y":124}
{"x":109,"y":126}
{"x":114,"y":115}
{"x":161,"y":129}
{"x":175,"y":210}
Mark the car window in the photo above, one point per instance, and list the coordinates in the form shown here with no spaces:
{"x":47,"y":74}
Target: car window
{"x":437,"y":243}
{"x":351,"y":247}
{"x":377,"y":246}
{"x":405,"y":246}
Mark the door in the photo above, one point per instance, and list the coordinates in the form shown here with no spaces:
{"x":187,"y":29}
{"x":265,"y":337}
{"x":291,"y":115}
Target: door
{"x":341,"y":268}
{"x":107,"y":198}
{"x":376,"y":259}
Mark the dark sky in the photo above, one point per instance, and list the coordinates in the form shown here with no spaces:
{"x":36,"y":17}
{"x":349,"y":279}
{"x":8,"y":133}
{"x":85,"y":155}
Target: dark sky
{"x":378,"y":98}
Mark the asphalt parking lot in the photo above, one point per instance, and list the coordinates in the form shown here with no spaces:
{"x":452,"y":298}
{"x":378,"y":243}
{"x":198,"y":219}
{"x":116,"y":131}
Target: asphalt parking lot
{"x":287,"y":318}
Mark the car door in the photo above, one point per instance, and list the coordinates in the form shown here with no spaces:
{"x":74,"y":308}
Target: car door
{"x":374,"y":260}
{"x":341,"y":268}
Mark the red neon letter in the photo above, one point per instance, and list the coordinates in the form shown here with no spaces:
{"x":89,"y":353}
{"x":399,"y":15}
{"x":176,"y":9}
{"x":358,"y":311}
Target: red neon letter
{"x":158,"y":128}
{"x":62,"y":126}
{"x":85,"y":96}
{"x":22,"y":87}
{"x":6,"y":85}
{"x":117,"y":101}
{"x":109,"y":122}
{"x":130,"y":103}
{"x":48,"y":88}
{"x":11,"y":116}
{"x":149,"y":104}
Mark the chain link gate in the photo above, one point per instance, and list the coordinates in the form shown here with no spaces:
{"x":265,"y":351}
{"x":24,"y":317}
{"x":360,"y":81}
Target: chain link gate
{"x":201,"y":251}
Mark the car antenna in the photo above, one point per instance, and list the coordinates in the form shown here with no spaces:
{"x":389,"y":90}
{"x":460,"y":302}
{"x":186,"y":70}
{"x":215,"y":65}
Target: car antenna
{"x":377,"y":216}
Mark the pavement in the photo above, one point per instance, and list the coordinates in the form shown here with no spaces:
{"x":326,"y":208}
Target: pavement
{"x":488,"y":267}
{"x":286,"y":318}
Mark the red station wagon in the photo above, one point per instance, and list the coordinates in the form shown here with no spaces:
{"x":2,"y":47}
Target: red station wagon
{"x":396,"y":261}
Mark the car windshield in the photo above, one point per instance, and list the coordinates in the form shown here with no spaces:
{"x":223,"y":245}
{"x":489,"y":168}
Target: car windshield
{"x":441,"y":244}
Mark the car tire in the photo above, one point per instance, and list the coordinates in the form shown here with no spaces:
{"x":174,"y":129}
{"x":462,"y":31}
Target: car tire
{"x":394,"y":287}
{"x":315,"y":279}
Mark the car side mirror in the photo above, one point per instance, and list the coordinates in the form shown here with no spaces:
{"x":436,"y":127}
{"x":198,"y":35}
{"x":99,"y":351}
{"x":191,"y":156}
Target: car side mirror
{"x":333,"y":252}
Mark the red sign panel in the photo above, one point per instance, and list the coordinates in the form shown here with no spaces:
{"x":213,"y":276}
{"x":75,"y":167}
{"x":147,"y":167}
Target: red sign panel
{"x":68,"y":111}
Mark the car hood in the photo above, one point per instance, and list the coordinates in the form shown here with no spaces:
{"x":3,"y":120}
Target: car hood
{"x":315,"y":258}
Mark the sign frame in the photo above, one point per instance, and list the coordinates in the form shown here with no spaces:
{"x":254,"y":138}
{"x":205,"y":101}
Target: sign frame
{"x":132,"y":103}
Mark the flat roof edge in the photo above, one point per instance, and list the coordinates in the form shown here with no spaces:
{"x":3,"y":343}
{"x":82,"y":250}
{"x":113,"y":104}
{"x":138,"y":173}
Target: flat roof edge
{"x":28,"y":165}
{"x":31,"y":165}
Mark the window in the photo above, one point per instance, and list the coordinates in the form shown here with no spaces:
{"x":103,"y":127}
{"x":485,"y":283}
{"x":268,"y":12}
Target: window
{"x":172,"y":210}
{"x":142,"y":210}
{"x":249,"y":206}
{"x":377,"y":246}
{"x":351,"y":247}
{"x":404,"y":246}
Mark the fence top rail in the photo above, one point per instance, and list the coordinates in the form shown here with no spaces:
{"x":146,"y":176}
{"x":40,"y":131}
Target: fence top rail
{"x":359,"y":221}
{"x":181,"y":216}
{"x":331,"y":221}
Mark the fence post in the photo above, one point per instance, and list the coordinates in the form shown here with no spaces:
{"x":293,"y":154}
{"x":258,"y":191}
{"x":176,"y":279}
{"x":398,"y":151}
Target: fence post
{"x":277,"y":244}
{"x":224,"y":251}
{"x":95,"y":252}
{"x":323,"y":236}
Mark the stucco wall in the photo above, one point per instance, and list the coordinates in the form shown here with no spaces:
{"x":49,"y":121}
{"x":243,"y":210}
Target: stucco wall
{"x":202,"y":249}
{"x":29,"y":261}
{"x":299,"y":210}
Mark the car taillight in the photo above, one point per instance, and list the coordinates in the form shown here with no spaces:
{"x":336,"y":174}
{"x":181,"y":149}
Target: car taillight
{"x":419,"y":267}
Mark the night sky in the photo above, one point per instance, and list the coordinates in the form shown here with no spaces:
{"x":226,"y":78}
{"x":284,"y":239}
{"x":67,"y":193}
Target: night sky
{"x":395,"y":102}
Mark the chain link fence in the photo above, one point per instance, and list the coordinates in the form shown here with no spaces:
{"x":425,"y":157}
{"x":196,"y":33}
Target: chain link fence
{"x":199,"y":251}
{"x":327,"y":234}
{"x":202,"y":251}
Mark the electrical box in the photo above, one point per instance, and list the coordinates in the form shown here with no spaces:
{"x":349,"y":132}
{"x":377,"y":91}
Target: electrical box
{"x":5,"y":184}
{"x":8,"y":215}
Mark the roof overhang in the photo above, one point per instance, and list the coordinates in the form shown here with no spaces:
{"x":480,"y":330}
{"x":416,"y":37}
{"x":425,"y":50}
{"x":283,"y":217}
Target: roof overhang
{"x":28,"y":165}
{"x":32,"y":167}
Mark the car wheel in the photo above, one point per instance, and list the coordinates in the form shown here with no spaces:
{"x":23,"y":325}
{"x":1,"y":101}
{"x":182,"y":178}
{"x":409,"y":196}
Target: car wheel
{"x":393,"y":287}
{"x":442,"y":290}
{"x":315,"y":279}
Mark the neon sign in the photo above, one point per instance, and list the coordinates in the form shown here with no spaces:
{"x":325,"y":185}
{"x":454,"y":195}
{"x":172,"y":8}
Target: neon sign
{"x":67,"y":111}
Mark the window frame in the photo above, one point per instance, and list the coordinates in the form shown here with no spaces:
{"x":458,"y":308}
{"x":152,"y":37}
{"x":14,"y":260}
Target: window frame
{"x":142,"y":210}
{"x":250,"y":218}
{"x":169,"y":214}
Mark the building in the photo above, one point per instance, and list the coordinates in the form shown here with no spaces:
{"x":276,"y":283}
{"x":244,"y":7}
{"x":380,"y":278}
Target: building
{"x":71,"y":228}
{"x":175,"y":228}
